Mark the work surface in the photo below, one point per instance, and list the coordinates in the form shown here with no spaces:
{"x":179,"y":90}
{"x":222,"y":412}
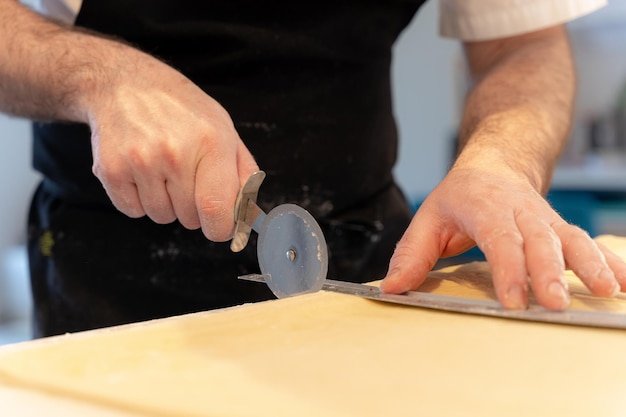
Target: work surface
{"x":328,"y":354}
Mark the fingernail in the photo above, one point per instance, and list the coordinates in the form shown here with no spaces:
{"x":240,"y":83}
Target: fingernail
{"x":388,"y":283}
{"x":557,"y":291}
{"x":516,"y":298}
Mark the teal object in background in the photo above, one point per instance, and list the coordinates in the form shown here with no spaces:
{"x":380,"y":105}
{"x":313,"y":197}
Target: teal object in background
{"x":577,"y":207}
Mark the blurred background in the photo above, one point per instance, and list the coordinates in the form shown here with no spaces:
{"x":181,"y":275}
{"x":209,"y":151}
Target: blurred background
{"x":589,"y":186}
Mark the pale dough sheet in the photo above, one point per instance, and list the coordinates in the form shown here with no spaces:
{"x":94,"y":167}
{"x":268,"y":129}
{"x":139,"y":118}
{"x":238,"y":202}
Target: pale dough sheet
{"x":329,"y":354}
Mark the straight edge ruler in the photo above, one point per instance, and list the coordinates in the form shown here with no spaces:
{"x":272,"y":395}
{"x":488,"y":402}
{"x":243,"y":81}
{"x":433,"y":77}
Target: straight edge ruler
{"x":471,"y":306}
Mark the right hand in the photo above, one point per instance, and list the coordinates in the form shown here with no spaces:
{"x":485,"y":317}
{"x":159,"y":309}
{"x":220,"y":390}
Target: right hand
{"x":165,"y":149}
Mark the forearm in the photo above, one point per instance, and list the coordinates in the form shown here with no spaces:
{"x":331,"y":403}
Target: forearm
{"x":520,"y":109}
{"x":51,"y":72}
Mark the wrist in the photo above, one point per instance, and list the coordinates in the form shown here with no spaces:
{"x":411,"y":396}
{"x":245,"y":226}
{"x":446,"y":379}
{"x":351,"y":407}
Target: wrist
{"x":516,"y":141}
{"x":100,"y":66}
{"x":504,"y":163}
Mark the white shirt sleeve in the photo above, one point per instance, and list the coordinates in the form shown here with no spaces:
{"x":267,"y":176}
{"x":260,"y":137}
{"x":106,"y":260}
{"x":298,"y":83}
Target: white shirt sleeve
{"x":475,"y":20}
{"x":63,"y":10}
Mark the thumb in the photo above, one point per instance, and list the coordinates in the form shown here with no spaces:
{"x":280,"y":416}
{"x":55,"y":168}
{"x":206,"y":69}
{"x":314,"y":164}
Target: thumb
{"x":217,"y":185}
{"x":414,"y":256}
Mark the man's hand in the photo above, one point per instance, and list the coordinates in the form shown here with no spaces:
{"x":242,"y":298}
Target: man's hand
{"x":163,"y":148}
{"x":515,"y":123}
{"x":523,"y":239}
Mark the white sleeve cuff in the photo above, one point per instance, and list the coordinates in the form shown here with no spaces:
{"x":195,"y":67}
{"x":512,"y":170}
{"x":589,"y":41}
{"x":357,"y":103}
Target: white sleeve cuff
{"x":476,"y":20}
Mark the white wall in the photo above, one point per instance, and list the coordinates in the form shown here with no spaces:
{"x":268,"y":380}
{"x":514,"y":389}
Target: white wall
{"x":429,"y":74}
{"x":17,"y":183}
{"x":599,"y":46}
{"x":17,"y":179}
{"x":425,"y":76}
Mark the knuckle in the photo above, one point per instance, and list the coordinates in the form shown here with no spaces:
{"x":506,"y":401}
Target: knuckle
{"x":547,"y":238}
{"x":579,"y":237}
{"x":111,"y":176}
{"x":406,"y":257}
{"x":168,"y":153}
{"x":138,"y":158}
{"x":210,"y":130}
{"x":127,"y":206}
{"x":542,"y":233}
{"x":166,"y":156}
{"x":171,"y":156}
{"x":590,"y":269}
{"x":572,"y":234}
{"x":500,"y":237}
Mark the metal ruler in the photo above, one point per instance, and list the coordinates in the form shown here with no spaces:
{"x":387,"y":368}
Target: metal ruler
{"x":471,"y":306}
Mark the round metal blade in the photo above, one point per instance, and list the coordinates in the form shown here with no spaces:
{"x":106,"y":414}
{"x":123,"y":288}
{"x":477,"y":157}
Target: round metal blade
{"x":292,"y":251}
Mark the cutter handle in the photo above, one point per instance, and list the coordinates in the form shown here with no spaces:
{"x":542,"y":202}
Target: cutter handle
{"x":244,"y":219}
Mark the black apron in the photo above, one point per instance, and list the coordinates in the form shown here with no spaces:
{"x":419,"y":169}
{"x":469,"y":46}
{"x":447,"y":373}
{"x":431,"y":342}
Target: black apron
{"x":309,"y":92}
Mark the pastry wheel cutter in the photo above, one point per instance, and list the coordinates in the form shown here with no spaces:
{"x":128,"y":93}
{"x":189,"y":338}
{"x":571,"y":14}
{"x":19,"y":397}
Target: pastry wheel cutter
{"x":293,"y":258}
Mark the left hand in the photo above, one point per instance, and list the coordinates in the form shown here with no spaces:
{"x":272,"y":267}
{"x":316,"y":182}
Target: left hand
{"x":523,"y":239}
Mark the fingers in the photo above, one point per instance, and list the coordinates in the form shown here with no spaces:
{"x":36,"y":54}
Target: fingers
{"x":122,"y":194}
{"x":118,"y":185}
{"x":216,"y":190}
{"x":544,"y":261}
{"x":161,"y":200}
{"x":588,"y":260}
{"x":537,"y":254}
{"x":155,"y":199}
{"x":138,"y":186}
{"x":503,"y":247}
{"x":524,"y":251}
{"x":181,"y":194}
{"x":414,"y":256}
{"x":617,"y":265}
{"x":168,"y":151}
{"x":526,"y":243}
{"x":166,"y":184}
